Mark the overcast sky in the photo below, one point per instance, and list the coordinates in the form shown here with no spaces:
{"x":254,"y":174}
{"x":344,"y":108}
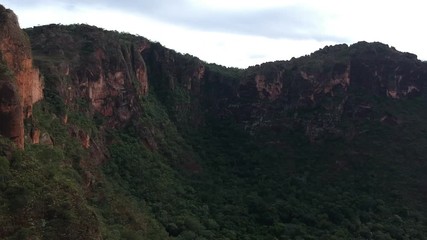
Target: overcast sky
{"x":241,"y":33}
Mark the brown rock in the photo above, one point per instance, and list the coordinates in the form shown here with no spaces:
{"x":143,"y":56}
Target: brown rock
{"x":35,"y":135}
{"x":46,"y":139}
{"x":16,"y":50}
{"x":271,"y":90}
{"x":65,"y":119}
{"x":11,"y":116}
{"x":340,"y":78}
{"x":20,"y":83}
{"x":85,"y":139}
{"x":141,"y":75}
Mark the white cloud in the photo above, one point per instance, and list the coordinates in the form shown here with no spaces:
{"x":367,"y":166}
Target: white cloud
{"x":241,"y":33}
{"x":243,"y":5}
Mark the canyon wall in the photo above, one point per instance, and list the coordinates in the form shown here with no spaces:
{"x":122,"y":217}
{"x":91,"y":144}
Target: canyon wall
{"x":20,"y":83}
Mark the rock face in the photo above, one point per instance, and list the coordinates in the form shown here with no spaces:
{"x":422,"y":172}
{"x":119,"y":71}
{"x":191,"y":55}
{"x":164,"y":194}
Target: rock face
{"x":11,"y":116}
{"x":178,"y":77}
{"x":106,"y":70}
{"x":20,"y":85}
{"x":315,"y":92}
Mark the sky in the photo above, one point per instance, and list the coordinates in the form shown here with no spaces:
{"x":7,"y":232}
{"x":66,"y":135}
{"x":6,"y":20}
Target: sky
{"x":242,"y":33}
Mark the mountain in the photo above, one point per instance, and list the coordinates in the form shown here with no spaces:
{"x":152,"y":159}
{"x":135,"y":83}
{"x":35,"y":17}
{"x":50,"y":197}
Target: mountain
{"x":106,"y":135}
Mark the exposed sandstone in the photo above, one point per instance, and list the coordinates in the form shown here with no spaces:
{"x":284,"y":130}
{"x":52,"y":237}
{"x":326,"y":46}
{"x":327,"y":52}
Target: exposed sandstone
{"x":107,"y":74}
{"x":24,"y":87}
{"x":339,"y":78}
{"x":35,"y":135}
{"x":271,"y":90}
{"x":326,"y":88}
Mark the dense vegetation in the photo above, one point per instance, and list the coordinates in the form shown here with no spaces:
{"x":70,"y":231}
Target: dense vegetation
{"x":178,"y":170}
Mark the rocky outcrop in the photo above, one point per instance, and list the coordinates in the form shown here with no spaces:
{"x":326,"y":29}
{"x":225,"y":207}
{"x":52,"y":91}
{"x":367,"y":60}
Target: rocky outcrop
{"x":11,"y":115}
{"x":106,"y":70}
{"x":84,"y":139}
{"x":270,"y":90}
{"x":35,"y":136}
{"x":21,"y":85}
{"x":112,"y":71}
{"x":170,"y":70}
{"x":178,"y":77}
{"x":315,"y":92}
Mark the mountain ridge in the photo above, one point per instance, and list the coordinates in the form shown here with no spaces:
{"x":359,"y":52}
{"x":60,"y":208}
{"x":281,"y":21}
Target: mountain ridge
{"x":137,"y":141}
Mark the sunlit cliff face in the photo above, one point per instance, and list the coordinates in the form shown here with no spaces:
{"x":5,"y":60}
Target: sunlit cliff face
{"x":24,"y":87}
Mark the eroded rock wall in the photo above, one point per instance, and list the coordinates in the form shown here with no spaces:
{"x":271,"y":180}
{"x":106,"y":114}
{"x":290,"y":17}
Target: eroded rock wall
{"x":316,"y":91}
{"x":21,"y":85}
{"x":103,"y":68}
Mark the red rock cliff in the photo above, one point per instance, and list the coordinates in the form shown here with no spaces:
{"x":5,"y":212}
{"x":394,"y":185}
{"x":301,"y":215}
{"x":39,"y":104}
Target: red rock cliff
{"x":20,"y":83}
{"x":106,"y":75}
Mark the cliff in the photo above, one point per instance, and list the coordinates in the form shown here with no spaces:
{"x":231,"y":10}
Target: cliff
{"x":21,"y":85}
{"x":132,"y":140}
{"x":318,"y":93}
{"x":103,"y":67}
{"x":327,"y":86}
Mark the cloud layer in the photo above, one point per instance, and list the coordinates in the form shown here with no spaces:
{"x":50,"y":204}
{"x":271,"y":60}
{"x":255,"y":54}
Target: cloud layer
{"x":288,"y":22}
{"x":242,"y":32}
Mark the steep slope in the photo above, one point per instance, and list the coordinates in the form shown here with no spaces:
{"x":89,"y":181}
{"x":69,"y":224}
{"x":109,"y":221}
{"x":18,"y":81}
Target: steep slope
{"x":136,"y":141}
{"x":46,"y":188}
{"x":327,"y":146}
{"x":82,"y":62}
{"x":20,"y":83}
{"x":330,"y":84}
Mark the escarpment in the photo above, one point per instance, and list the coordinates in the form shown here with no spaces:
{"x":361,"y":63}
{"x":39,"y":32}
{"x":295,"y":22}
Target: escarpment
{"x":314,"y":93}
{"x":326,"y":86}
{"x":104,"y":68}
{"x":21,"y":85}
